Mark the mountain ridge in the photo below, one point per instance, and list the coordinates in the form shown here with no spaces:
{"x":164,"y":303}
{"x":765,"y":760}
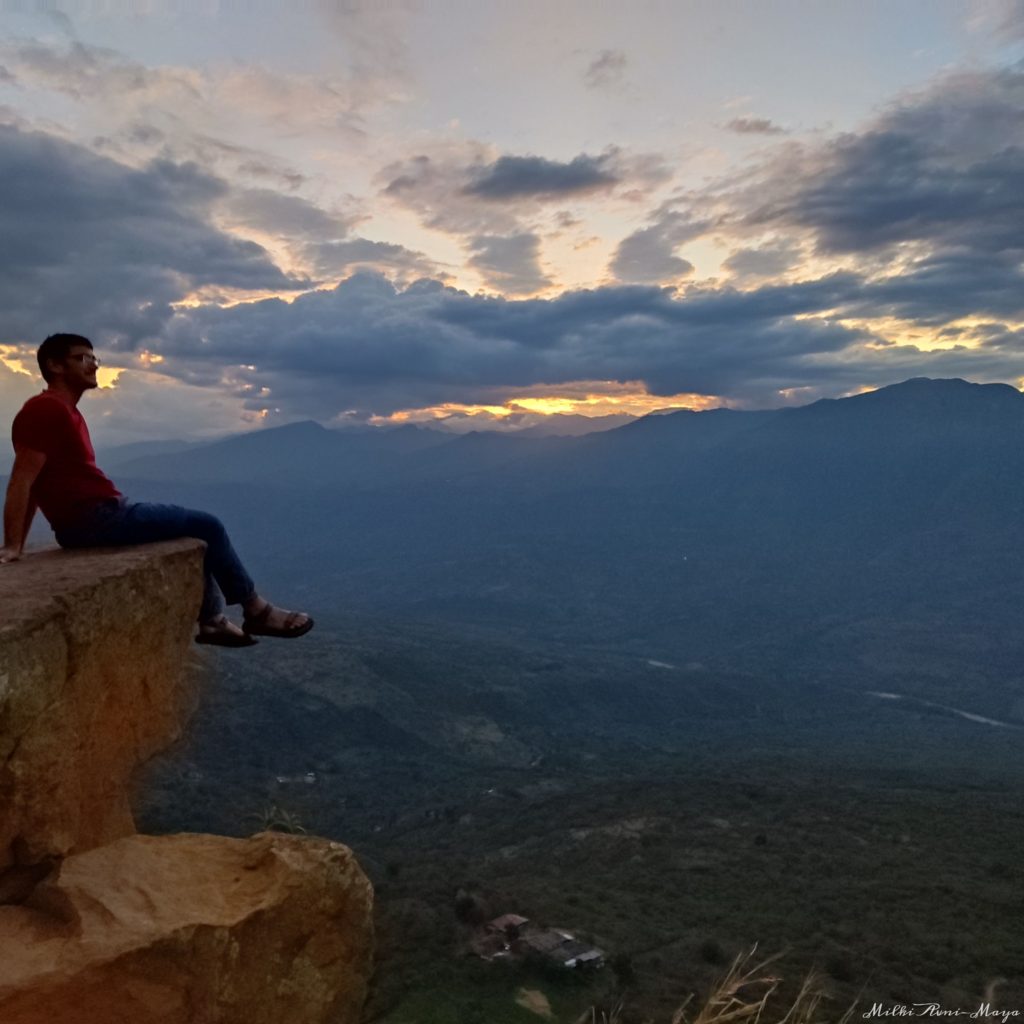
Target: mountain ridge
{"x":373,"y":456}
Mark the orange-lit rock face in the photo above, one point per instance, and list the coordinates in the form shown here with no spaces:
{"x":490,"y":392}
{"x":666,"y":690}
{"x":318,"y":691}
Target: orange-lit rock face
{"x":192,"y":929}
{"x":91,"y":685}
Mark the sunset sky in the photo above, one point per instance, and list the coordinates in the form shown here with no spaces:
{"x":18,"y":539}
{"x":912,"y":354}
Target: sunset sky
{"x":394,"y":211}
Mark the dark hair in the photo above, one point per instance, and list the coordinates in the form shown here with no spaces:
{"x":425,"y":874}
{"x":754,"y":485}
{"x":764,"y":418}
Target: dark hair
{"x":58,"y":347}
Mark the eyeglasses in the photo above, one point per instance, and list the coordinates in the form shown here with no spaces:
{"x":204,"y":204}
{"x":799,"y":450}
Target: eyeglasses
{"x":85,"y":357}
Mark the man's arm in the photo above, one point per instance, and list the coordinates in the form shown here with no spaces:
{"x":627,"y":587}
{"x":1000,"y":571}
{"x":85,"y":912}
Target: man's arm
{"x":19,"y":508}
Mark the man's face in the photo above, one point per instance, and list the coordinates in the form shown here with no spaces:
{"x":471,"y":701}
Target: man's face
{"x":79,"y":368}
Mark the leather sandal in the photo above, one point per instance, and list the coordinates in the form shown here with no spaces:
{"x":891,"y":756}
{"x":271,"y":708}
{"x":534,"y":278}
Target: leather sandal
{"x":256,"y":625}
{"x":224,"y":638}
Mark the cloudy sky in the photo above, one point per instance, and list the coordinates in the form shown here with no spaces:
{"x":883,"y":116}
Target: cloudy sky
{"x":490,"y":211}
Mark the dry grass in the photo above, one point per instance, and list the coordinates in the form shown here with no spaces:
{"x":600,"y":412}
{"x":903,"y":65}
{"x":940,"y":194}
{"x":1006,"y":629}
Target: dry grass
{"x":741,"y":997}
{"x":277,"y":819}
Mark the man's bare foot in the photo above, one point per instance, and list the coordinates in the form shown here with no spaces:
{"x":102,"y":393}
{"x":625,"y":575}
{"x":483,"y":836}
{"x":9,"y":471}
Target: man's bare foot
{"x":263,"y":619}
{"x":222,"y":632}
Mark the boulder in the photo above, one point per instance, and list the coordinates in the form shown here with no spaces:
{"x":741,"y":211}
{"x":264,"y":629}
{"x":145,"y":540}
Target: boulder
{"x":192,"y":929}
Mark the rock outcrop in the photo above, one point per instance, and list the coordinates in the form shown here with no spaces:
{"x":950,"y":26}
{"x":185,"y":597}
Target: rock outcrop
{"x":191,"y":928}
{"x":91,"y":685}
{"x":97,"y":924}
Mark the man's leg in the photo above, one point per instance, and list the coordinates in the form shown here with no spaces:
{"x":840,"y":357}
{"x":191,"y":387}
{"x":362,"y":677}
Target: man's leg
{"x":223,"y":570}
{"x":143,"y":522}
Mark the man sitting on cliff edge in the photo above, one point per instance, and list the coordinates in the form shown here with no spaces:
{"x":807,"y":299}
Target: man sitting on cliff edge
{"x":55,"y":469}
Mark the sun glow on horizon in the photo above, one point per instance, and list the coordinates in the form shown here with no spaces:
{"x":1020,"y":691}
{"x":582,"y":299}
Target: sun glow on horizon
{"x":592,"y":399}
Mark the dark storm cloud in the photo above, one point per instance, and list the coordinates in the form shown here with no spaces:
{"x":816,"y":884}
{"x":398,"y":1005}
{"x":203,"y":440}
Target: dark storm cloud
{"x":922,"y":207}
{"x":647,"y":256}
{"x":943,"y":169}
{"x":284,"y":215}
{"x":765,"y":261}
{"x":367,"y":346}
{"x":511,"y":177}
{"x":754,"y":126}
{"x":605,"y":69}
{"x":319,"y":239}
{"x":371,"y":347}
{"x":94,"y":246}
{"x":924,"y":202}
{"x":946,"y":286}
{"x":330,"y":259}
{"x":465,"y":191}
{"x":510,"y":264}
{"x":374,"y":348}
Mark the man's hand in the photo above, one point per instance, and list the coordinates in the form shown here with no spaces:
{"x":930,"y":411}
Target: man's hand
{"x":19,"y":506}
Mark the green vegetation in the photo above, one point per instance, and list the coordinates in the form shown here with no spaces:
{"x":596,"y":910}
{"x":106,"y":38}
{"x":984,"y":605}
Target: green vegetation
{"x":476,"y":993}
{"x":673,"y":817}
{"x":678,"y":688}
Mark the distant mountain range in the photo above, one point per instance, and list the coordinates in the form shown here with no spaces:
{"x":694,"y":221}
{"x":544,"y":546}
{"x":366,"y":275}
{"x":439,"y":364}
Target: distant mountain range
{"x":556,"y":425}
{"x":867,"y":540}
{"x":918,"y":415}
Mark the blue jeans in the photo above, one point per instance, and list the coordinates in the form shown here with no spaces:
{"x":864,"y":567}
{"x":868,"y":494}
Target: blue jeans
{"x":118,"y":521}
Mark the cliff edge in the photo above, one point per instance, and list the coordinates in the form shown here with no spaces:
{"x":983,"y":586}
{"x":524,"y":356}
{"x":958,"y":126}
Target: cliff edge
{"x":99,"y":925}
{"x":91,"y":685}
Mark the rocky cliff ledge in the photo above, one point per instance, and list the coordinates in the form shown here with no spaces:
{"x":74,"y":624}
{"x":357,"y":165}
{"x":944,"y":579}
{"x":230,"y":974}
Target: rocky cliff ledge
{"x":92,"y":647}
{"x":97,"y":924}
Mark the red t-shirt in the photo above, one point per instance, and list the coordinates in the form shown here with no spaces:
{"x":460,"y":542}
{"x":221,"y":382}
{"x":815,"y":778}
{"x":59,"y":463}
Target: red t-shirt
{"x":70,"y":481}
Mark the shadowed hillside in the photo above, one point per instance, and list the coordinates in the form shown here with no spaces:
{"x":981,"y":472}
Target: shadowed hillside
{"x":878,"y":534}
{"x":703,"y":680}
